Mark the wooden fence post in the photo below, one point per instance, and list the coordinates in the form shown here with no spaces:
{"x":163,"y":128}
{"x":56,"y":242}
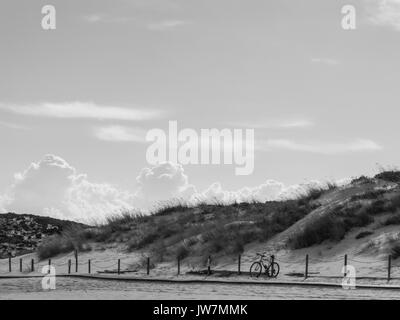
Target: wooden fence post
{"x":89,"y":266}
{"x":76,"y":261}
{"x":20,"y":265}
{"x":389,"y":266}
{"x":49,"y":266}
{"x":9,"y":264}
{"x":69,"y":266}
{"x":179,"y":266}
{"x":148,"y":265}
{"x":345,"y":265}
{"x":209,"y":265}
{"x":306,"y":271}
{"x":32,"y":265}
{"x":119,"y":266}
{"x":239,"y":264}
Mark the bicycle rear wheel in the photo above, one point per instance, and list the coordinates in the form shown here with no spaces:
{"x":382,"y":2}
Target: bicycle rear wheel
{"x":255,"y":269}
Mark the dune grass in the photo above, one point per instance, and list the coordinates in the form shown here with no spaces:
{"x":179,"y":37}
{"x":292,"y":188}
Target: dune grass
{"x":363,"y":234}
{"x":178,"y":230}
{"x":73,"y":238}
{"x":334,"y":225}
{"x":389,"y":175}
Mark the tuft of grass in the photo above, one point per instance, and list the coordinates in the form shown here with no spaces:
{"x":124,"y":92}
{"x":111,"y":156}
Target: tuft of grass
{"x":363,"y":234}
{"x":361,"y":180}
{"x":389,"y":176}
{"x":370,"y":195}
{"x":169,"y":207}
{"x":331,"y":185}
{"x":393,"y":220}
{"x":53,"y":246}
{"x":313,"y":194}
{"x":71,"y":239}
{"x":334,"y":225}
{"x":394,"y":203}
{"x":395,"y":250}
{"x":325,"y":228}
{"x":121,"y":222}
{"x":377,"y":207}
{"x":182,"y":252}
{"x":331,"y":227}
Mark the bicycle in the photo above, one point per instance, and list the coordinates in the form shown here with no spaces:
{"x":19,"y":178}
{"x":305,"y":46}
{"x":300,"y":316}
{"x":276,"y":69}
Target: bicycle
{"x":271,"y":267}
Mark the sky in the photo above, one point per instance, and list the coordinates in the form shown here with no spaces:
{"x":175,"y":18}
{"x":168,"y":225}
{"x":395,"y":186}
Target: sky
{"x":76,"y":102}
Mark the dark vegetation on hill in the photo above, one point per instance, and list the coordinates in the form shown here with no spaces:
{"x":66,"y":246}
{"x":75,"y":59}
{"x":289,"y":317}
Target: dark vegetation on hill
{"x":335,"y":224}
{"x":390,"y":176}
{"x":44,"y":221}
{"x":359,"y":210}
{"x":223,"y":230}
{"x":22,"y":233}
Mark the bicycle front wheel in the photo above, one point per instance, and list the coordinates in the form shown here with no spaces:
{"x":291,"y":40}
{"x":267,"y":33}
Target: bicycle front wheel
{"x":255,"y":269}
{"x":273,"y":270}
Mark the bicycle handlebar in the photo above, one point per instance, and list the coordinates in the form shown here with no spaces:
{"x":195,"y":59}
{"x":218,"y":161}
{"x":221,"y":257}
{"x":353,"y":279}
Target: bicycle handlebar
{"x":263,"y":255}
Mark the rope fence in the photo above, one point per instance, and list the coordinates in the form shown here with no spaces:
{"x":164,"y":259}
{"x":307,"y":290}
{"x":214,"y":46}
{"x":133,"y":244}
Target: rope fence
{"x":311,"y":266}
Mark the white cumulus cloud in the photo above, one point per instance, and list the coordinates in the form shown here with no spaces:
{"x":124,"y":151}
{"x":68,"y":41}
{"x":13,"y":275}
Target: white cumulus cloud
{"x":163,"y":182}
{"x":53,"y":187}
{"x":270,"y":190}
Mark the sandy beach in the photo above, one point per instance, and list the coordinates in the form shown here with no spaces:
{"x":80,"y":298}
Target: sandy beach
{"x":91,"y":289}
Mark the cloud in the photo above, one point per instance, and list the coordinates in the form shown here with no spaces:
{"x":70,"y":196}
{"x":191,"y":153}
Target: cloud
{"x":270,"y":190}
{"x":43,"y":184}
{"x":105,"y":18}
{"x":163,"y":182}
{"x":166,"y":25}
{"x":274,"y":123}
{"x":80,"y":110}
{"x":120,"y":134}
{"x":96,"y":201}
{"x":53,"y":187}
{"x":358,"y":145}
{"x":326,"y":61}
{"x":301,"y":123}
{"x":384,"y":13}
{"x":267,"y":191}
{"x":92,"y":18}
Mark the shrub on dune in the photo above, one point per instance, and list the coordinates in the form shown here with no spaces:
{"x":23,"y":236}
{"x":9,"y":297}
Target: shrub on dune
{"x":70,"y":240}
